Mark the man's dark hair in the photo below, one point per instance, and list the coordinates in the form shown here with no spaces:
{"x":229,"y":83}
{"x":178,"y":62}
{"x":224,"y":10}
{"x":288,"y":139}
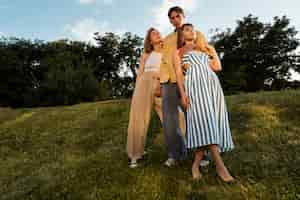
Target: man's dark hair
{"x":175,"y":9}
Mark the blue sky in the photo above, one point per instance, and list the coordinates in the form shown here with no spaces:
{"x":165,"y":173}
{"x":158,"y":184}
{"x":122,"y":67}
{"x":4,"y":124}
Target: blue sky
{"x":79,"y":19}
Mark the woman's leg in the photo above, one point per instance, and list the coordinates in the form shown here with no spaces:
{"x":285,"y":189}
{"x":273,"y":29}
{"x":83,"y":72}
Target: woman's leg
{"x":220,"y":167}
{"x":199,"y":153}
{"x":139,"y":118}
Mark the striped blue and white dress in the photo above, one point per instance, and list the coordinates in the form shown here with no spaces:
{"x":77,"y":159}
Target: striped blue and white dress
{"x":207,"y":117}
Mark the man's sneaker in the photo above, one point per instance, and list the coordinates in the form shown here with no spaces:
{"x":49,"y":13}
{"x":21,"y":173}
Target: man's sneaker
{"x":170,"y":162}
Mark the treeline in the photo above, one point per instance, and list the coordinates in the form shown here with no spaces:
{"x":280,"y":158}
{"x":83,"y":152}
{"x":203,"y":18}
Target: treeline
{"x":37,"y":73}
{"x":255,"y":56}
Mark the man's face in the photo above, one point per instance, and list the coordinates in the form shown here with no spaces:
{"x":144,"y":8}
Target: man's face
{"x":176,"y":19}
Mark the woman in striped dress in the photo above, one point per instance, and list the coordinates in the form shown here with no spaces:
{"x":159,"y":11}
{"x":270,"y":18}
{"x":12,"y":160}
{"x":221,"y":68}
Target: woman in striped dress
{"x":202,"y":97}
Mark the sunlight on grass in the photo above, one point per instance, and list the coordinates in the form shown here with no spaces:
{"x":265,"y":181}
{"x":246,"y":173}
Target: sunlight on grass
{"x":78,"y":152}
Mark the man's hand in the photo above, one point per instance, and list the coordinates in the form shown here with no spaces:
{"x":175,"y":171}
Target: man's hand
{"x":157,"y":90}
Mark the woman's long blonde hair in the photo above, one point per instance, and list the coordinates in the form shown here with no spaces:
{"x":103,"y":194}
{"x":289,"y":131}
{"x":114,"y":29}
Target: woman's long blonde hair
{"x":148,"y":47}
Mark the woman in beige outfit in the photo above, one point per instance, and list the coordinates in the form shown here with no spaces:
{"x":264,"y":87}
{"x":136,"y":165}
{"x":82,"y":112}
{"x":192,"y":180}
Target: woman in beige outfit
{"x":144,"y":98}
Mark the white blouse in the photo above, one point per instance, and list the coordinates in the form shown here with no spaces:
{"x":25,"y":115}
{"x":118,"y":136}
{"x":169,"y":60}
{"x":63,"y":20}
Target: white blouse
{"x":153,"y":62}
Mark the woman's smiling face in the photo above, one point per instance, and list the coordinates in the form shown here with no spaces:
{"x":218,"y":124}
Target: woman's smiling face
{"x":189,"y":33}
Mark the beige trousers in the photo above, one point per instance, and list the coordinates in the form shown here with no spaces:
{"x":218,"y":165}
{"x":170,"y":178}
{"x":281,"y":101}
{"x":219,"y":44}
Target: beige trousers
{"x":142,"y":102}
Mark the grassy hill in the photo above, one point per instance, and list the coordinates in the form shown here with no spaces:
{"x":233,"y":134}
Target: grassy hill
{"x":78,"y":152}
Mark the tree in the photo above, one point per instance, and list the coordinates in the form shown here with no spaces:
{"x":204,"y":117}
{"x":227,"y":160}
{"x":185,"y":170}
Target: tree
{"x":114,"y":56}
{"x":19,"y":71}
{"x":130,"y":51}
{"x":70,"y":77}
{"x":256,"y":52}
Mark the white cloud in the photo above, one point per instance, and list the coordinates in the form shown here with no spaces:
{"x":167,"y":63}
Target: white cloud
{"x":88,"y":2}
{"x":84,"y":29}
{"x":160,"y":12}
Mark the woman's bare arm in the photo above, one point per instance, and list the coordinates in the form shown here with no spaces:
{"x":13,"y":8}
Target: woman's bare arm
{"x":214,"y":63}
{"x":179,"y":74}
{"x":142,"y":65}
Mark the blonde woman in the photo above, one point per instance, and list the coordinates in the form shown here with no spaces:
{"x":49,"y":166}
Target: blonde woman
{"x":144,"y":98}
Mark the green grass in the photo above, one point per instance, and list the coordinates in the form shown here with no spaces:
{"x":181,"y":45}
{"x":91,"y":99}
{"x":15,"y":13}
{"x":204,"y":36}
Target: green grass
{"x":78,"y":152}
